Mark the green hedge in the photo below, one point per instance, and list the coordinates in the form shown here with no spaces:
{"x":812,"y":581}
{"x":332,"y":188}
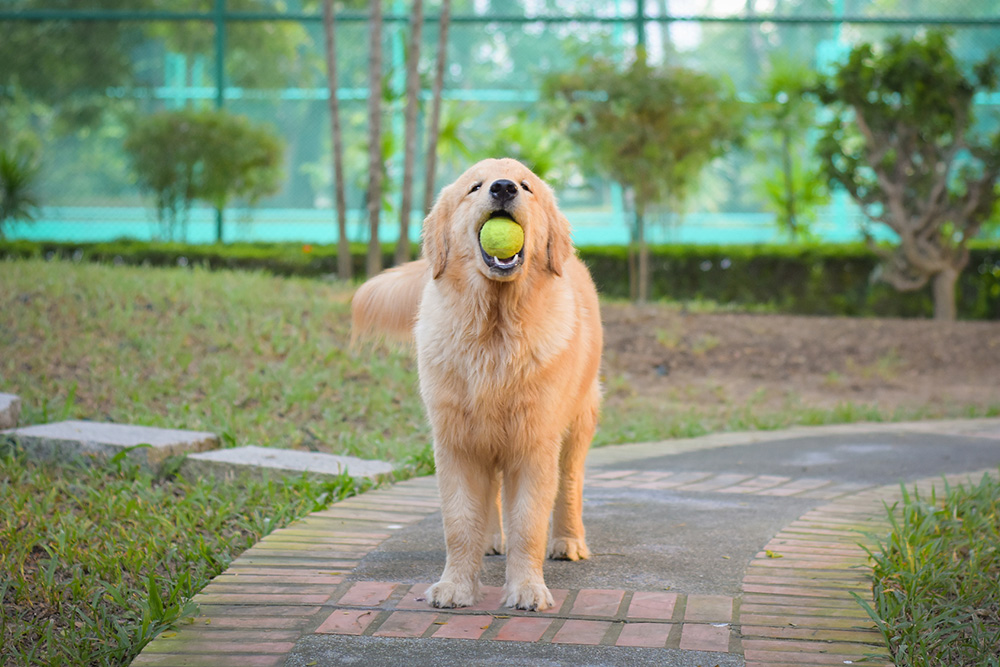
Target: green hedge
{"x":805,"y":279}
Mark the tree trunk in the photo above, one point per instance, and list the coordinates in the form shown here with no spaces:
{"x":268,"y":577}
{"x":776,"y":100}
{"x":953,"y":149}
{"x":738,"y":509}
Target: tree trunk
{"x":643,"y":277}
{"x":412,"y":105}
{"x":435,"y":120}
{"x":944,"y":295}
{"x":374,"y":263}
{"x":344,"y":264}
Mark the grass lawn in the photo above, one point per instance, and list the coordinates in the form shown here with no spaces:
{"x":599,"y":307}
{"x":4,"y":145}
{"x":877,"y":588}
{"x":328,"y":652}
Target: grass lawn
{"x":937,"y":579}
{"x":95,"y":561}
{"x":256,"y":359}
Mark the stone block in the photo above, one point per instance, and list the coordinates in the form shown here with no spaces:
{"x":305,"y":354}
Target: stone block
{"x":69,"y":439}
{"x":255,"y":460}
{"x":10,"y":410}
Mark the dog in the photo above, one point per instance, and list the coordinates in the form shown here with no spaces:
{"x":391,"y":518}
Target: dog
{"x":508,"y":355}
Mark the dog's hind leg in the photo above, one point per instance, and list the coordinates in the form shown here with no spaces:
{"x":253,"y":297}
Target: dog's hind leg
{"x":568,"y":536}
{"x":494,"y":520}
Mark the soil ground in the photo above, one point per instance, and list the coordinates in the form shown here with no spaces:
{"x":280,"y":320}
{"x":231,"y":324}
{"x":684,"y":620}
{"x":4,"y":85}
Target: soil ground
{"x":697,"y":360}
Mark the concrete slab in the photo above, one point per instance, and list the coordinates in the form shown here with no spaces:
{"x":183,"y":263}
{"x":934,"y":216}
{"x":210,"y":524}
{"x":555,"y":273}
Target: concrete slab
{"x":10,"y":410}
{"x":67,"y":439}
{"x":255,"y":460}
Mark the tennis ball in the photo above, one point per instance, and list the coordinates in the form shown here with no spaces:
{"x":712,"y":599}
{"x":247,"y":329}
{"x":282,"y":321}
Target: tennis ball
{"x":501,"y":237}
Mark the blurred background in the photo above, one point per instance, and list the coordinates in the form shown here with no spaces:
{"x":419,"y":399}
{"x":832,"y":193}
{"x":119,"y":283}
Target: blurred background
{"x":77,"y":74}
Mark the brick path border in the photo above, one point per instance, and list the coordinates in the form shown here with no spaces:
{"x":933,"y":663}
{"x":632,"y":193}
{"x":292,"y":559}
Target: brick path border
{"x":795,"y":606}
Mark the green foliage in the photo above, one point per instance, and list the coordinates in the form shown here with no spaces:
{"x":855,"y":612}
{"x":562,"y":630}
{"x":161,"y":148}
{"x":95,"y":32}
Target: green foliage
{"x":903,"y":143}
{"x":936,"y":596}
{"x":18,"y":175}
{"x":651,"y":129}
{"x":812,"y":279}
{"x":793,"y":187}
{"x":549,"y":154}
{"x":99,"y":560}
{"x":211,"y":155}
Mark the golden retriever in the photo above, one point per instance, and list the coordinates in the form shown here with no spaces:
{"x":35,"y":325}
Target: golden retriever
{"x":508,"y":352}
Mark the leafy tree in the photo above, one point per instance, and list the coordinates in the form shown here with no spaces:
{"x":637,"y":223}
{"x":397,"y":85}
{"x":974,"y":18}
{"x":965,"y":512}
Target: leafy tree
{"x":208,"y":155}
{"x":785,"y":114}
{"x":651,"y":129}
{"x":903,"y":144}
{"x":18,"y":174}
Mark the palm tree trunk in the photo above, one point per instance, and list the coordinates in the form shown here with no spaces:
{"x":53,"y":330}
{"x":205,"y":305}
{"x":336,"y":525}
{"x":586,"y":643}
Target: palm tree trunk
{"x":374,"y":261}
{"x":435,"y":120}
{"x":344,"y":269}
{"x":410,"y":149}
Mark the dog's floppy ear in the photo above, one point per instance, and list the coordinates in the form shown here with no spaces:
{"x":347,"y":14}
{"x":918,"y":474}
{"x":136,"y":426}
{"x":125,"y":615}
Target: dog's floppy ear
{"x":559,"y":247}
{"x":436,"y":234}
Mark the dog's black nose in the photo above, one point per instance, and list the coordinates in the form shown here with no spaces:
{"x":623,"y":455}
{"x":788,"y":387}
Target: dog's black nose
{"x":503,"y":190}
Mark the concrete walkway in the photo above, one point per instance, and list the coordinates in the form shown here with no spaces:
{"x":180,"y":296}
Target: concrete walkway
{"x":738,"y":549}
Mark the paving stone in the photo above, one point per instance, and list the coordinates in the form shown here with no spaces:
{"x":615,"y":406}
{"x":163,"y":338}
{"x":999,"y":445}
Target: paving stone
{"x":652,"y":635}
{"x":347,"y":622}
{"x":595,"y":602}
{"x":10,"y":410}
{"x":708,"y":609}
{"x":652,"y":604}
{"x":62,"y":440}
{"x":463,"y":627}
{"x":406,"y":624}
{"x":698,"y":637}
{"x":576,"y":631}
{"x":367,"y":594}
{"x":254,"y":459}
{"x":524,"y":629}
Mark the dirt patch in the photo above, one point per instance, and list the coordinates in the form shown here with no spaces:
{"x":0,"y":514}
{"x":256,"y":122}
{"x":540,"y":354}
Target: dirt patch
{"x":693,"y":360}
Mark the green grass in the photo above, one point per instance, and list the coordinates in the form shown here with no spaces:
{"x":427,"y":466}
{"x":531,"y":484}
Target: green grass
{"x":96,"y":561}
{"x":936,"y":578}
{"x":256,"y":359}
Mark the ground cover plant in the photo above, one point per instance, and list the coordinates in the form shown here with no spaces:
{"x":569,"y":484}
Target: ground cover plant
{"x":936,"y":578}
{"x":96,"y":561}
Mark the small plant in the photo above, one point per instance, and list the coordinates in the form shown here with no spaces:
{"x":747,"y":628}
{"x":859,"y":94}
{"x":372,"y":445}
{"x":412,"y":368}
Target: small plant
{"x":18,"y":201}
{"x":208,"y":155}
{"x":936,"y":597}
{"x":793,"y":187}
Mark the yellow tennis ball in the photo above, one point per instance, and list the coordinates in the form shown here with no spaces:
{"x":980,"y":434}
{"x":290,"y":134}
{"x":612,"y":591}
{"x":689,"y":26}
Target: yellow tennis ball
{"x":501,"y":237}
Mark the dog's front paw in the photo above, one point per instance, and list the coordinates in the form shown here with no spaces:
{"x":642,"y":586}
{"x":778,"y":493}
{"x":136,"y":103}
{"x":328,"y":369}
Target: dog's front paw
{"x":448,"y":595}
{"x":530,"y":597}
{"x":568,"y":548}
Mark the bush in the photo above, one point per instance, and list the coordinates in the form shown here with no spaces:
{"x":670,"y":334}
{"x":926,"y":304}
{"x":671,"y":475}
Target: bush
{"x":209,"y":155}
{"x":799,"y":279}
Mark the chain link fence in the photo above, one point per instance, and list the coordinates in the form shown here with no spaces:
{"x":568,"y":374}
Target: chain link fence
{"x":76,"y":73}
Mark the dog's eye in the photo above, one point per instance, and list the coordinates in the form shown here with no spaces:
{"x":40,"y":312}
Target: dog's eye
{"x":475,"y":187}
{"x":524,"y":184}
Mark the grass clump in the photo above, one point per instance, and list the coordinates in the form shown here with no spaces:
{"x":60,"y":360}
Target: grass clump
{"x":936,"y":578}
{"x":96,"y":561}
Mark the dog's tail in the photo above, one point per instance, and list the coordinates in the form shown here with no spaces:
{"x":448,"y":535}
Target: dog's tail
{"x":386,"y":305}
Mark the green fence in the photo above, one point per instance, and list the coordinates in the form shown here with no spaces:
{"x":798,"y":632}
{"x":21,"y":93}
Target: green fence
{"x":76,"y":72}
